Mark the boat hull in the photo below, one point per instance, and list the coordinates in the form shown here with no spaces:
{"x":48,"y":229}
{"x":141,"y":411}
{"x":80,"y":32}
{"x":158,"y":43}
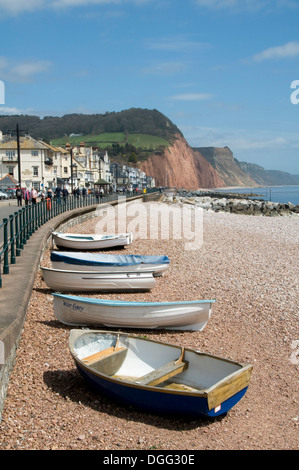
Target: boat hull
{"x":84,"y":311}
{"x":86,"y":281}
{"x":109,"y":263}
{"x":90,"y":242}
{"x":155,"y":401}
{"x":205,"y":385}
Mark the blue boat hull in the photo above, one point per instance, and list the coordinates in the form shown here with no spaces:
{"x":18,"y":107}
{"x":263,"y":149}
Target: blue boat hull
{"x":157,"y":401}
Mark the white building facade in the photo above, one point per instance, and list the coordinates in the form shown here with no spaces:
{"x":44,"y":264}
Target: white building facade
{"x":43,"y":166}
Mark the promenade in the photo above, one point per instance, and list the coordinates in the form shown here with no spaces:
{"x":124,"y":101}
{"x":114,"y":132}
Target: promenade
{"x":17,"y":286}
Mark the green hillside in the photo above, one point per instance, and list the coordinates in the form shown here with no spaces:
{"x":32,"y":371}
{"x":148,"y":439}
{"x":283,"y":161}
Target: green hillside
{"x":120,"y":146}
{"x":129,"y":135}
{"x":107,"y":139}
{"x":131,"y":121}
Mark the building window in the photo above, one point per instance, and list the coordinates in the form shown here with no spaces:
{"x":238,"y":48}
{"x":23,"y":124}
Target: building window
{"x":35,"y":171}
{"x":65,"y":169}
{"x":10,"y":154}
{"x":55,"y":170}
{"x":10,"y":170}
{"x":34,"y":153}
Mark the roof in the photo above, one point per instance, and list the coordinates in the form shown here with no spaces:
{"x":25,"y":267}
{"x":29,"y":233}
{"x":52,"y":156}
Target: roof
{"x":9,"y":180}
{"x":62,"y":150}
{"x":55,"y":149}
{"x":26,"y":143}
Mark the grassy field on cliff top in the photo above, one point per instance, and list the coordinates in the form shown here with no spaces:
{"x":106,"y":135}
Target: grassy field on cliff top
{"x":105,"y":140}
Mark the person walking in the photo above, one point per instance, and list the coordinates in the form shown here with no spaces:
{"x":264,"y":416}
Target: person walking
{"x":49,"y":193}
{"x":49,"y":196}
{"x":27,"y":196}
{"x":19,"y":195}
{"x":58,"y":192}
{"x":65,"y":194}
{"x":33,"y":196}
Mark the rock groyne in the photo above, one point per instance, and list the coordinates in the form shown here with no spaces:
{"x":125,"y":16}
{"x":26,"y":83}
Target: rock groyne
{"x":233,"y":203}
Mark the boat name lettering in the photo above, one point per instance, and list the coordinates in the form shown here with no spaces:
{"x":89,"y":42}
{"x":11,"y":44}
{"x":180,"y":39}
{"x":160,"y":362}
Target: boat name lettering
{"x":73,"y":305}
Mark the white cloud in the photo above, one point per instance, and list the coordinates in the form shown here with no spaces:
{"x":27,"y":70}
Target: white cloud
{"x":22,"y":71}
{"x":192,"y":97}
{"x":245,"y":6}
{"x":165,"y":68}
{"x":290,"y":49}
{"x":25,"y":70}
{"x":176,"y":43}
{"x":238,"y":140}
{"x":233,"y":5}
{"x":10,"y":110}
{"x":15,"y":7}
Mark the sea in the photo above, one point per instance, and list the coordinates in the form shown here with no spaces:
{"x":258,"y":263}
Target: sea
{"x":282,"y":194}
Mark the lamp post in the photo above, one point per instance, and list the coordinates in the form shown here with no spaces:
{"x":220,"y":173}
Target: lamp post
{"x":72,"y":185}
{"x":17,"y":130}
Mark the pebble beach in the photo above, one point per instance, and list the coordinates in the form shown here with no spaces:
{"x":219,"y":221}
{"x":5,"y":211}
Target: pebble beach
{"x":250,"y":265}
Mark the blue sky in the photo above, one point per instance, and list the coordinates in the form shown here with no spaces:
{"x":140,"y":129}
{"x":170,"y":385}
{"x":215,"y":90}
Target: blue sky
{"x":221,"y":70}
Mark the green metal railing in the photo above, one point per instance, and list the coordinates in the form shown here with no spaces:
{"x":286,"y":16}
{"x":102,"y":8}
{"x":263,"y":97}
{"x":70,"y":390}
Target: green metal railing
{"x":18,"y":228}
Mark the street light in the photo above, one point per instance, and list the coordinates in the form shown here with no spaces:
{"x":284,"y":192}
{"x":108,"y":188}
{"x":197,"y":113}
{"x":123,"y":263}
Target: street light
{"x":18,"y":149}
{"x":73,"y":170}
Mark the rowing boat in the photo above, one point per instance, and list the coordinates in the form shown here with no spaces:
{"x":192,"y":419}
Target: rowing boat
{"x":85,"y":311}
{"x":101,"y":262}
{"x":77,"y":241}
{"x":158,"y":377}
{"x":92,"y":281}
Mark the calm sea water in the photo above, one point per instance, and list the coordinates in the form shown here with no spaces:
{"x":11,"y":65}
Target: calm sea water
{"x":283,"y":194}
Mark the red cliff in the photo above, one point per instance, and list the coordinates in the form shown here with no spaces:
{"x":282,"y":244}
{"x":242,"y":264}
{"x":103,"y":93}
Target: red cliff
{"x":182,"y":167}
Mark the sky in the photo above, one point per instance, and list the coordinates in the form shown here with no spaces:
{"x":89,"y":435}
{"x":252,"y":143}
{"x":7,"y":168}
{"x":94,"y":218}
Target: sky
{"x":225,"y":72}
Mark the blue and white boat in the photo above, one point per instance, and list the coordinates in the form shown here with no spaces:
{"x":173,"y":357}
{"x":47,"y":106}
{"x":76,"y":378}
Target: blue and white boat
{"x":158,"y":377}
{"x":86,"y":311}
{"x":100,"y":262}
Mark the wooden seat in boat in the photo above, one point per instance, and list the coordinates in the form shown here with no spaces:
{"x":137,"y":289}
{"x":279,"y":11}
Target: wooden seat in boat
{"x":107,"y":361}
{"x":163,"y":373}
{"x":108,"y":352}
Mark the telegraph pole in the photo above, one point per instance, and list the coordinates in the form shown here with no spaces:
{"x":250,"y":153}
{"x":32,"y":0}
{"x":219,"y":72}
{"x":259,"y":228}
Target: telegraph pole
{"x":19,"y":152}
{"x":72,"y":183}
{"x":19,"y":155}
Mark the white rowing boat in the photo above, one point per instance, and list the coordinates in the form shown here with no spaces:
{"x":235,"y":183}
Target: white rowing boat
{"x":77,"y":241}
{"x":91,"y":281}
{"x":85,"y":311}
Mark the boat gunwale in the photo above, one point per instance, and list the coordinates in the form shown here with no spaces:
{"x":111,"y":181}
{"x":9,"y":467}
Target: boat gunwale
{"x":129,"y":303}
{"x":68,"y":237}
{"x":84,"y":273}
